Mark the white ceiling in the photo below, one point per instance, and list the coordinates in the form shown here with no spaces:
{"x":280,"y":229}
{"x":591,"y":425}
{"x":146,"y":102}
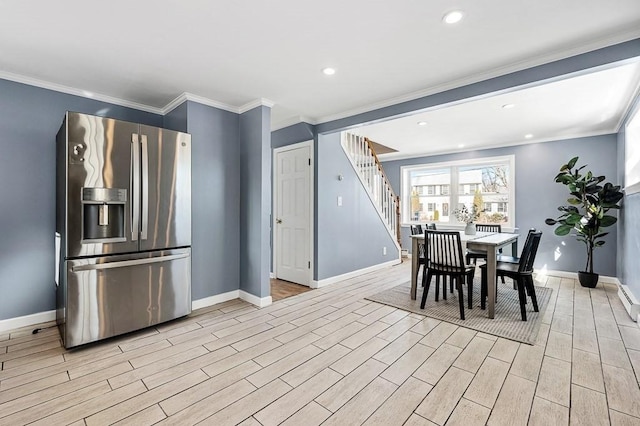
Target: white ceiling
{"x":580,"y":105}
{"x":148,"y":52}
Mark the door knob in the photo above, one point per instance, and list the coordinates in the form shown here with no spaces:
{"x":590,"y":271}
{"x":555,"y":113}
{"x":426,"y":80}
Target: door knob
{"x":278,"y":220}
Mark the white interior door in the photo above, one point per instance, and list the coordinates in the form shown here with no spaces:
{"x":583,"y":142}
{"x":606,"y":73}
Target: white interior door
{"x":293,"y":194}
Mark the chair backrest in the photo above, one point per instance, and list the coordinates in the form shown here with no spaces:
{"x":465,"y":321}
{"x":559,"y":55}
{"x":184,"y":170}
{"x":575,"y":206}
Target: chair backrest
{"x":414,"y":230}
{"x":443,"y":248}
{"x":528,"y":256}
{"x":431,"y":226}
{"x":483,"y":227}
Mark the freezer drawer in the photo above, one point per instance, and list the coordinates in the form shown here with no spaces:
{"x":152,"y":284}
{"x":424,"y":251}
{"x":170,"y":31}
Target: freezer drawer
{"x":108,"y":296}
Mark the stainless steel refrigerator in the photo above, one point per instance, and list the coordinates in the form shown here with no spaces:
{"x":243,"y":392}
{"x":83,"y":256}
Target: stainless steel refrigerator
{"x":124,"y":224}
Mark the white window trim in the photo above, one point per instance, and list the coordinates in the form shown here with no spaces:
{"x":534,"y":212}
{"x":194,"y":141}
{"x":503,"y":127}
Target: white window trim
{"x":405,"y":197}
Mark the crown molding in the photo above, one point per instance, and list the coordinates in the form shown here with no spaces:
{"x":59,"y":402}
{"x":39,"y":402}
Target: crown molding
{"x":292,"y":121}
{"x":549,"y":57}
{"x":256,"y":103}
{"x":77,"y":92}
{"x":186,"y":96}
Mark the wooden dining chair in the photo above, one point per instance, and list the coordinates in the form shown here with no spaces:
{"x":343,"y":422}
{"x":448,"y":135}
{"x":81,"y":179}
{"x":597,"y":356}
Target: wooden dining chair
{"x":477,"y":254}
{"x":443,"y":252}
{"x":521,"y":273}
{"x":514,"y":258}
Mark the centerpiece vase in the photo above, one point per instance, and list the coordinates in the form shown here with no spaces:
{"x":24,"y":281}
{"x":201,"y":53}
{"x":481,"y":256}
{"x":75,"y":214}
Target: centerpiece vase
{"x":470,"y":229}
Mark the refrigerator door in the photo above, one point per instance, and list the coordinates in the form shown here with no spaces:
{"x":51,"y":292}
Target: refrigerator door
{"x":108,"y":296}
{"x":100,"y":190}
{"x":165,"y":189}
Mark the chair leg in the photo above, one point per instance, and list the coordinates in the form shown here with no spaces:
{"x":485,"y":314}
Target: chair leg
{"x":444,"y":287}
{"x":483,"y":288}
{"x":469,"y":278}
{"x":426,"y":288}
{"x":522,"y":298}
{"x":437,"y":287}
{"x":460,"y":296}
{"x":532,"y":292}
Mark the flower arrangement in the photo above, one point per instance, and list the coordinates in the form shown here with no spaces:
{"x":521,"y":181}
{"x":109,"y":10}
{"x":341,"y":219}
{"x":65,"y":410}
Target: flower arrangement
{"x":464,"y":215}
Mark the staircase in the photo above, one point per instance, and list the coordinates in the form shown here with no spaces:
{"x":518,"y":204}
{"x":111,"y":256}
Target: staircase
{"x":364,"y":160}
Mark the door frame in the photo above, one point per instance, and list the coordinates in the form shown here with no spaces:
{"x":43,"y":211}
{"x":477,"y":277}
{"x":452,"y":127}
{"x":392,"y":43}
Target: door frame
{"x":274,"y":206}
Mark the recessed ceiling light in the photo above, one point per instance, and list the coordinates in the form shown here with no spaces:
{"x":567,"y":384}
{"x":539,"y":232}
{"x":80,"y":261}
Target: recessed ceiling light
{"x":528,"y":136}
{"x":328,"y":71}
{"x":422,"y":123}
{"x":508,"y":106}
{"x":452,"y":17}
{"x":461,"y":145}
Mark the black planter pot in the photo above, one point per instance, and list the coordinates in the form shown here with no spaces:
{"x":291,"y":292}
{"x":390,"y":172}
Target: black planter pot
{"x":588,"y":279}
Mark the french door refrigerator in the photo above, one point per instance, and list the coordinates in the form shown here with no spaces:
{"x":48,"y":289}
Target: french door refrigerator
{"x":124,"y":224}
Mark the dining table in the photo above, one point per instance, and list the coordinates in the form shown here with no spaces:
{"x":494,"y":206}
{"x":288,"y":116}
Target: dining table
{"x":489,"y":242}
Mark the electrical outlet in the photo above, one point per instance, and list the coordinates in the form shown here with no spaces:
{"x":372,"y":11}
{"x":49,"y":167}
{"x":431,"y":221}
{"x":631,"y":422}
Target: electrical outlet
{"x":384,"y":251}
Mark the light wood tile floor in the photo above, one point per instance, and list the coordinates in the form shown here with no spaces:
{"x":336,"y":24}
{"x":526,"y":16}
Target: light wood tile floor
{"x":330,"y":357}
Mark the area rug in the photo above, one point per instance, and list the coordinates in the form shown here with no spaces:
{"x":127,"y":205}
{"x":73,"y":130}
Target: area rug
{"x":507,"y":322}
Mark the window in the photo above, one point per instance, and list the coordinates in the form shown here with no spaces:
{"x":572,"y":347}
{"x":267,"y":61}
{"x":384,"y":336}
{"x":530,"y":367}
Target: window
{"x":484,"y":182}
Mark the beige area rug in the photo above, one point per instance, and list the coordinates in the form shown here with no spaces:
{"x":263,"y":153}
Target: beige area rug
{"x":507,"y":322}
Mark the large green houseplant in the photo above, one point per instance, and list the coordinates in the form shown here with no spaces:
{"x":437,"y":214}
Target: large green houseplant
{"x":586,"y":215}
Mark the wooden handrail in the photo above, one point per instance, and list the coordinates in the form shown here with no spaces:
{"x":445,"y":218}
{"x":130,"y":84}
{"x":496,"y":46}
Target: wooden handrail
{"x":380,"y":168}
{"x":388,"y":185}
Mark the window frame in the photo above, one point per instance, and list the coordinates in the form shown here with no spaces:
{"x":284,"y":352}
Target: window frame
{"x":454,"y":166}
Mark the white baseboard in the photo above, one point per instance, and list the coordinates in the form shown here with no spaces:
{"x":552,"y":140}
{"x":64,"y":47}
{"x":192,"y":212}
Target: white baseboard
{"x":27,"y":320}
{"x":335,"y":279}
{"x":214,"y":300}
{"x":230,"y":295}
{"x":574,"y":275}
{"x":41,"y":317}
{"x":260,"y":302}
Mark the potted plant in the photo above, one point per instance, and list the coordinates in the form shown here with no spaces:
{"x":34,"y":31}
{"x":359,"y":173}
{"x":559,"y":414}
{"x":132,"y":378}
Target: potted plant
{"x":586,"y":215}
{"x":463,"y":214}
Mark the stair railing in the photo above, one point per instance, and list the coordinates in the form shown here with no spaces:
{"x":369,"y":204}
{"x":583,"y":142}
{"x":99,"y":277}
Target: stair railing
{"x":365,"y":161}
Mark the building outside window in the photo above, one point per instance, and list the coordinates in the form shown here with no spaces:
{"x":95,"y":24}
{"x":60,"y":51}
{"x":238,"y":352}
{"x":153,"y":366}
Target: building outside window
{"x":429,"y":190}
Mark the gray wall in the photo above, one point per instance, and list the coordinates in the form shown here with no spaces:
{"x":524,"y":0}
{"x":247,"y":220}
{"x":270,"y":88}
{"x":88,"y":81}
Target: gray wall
{"x":29,"y":120}
{"x":538,"y":196}
{"x":628,"y":267}
{"x":350,"y":237}
{"x":255,"y":201}
{"x":299,"y":132}
{"x":176,"y":119}
{"x":215,"y":199}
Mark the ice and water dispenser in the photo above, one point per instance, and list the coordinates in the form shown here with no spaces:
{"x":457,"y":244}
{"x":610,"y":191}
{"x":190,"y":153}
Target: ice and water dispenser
{"x":103,"y":214}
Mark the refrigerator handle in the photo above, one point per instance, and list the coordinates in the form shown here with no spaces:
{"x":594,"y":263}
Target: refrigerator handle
{"x":145,"y":187}
{"x":135,"y":187}
{"x":124,"y":263}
